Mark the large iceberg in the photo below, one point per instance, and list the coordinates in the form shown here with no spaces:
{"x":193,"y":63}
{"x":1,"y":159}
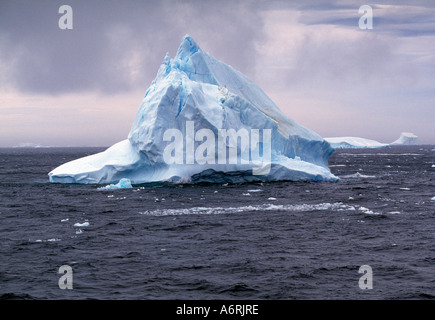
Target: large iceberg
{"x":406,"y":138}
{"x":203,"y":121}
{"x":354,"y":143}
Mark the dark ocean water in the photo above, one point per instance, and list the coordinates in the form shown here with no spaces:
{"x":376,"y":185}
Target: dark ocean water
{"x":286,"y":240}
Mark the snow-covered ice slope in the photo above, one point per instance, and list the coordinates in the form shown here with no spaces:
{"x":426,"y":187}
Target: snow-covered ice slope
{"x":354,"y":142}
{"x":183,"y":131}
{"x":406,"y":138}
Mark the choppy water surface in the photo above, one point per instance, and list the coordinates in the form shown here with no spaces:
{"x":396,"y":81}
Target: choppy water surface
{"x":286,"y":240}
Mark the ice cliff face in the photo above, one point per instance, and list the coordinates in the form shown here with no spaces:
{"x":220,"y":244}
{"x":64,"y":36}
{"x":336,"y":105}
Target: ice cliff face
{"x":201,"y":120}
{"x":406,"y":138}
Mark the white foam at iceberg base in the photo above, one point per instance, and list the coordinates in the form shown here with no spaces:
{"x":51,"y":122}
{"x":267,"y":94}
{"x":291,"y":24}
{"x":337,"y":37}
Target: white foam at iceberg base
{"x":357,"y":175}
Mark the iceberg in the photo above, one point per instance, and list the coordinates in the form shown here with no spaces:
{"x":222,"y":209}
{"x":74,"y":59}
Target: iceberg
{"x":354,"y":142}
{"x":407,"y":139}
{"x":29,"y":145}
{"x":203,"y":121}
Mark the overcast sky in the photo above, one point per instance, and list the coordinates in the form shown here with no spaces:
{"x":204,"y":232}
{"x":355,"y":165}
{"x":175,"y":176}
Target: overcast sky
{"x":82,"y":87}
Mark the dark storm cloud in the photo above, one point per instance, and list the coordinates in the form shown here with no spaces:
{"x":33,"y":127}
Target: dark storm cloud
{"x":115,"y":46}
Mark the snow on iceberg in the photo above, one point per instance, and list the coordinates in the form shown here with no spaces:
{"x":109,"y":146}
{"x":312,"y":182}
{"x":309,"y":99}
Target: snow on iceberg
{"x":203,"y":121}
{"x":406,"y":138}
{"x":354,"y":142}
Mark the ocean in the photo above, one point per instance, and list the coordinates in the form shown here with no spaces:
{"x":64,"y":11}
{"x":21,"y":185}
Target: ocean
{"x":277,"y":241}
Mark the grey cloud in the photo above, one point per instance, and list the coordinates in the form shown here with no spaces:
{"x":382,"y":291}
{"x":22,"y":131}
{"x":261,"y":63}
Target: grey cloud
{"x":402,"y":18}
{"x":115,"y":46}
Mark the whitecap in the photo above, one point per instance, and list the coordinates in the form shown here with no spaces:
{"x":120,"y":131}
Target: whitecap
{"x":84,"y":224}
{"x":357,"y":175}
{"x":48,"y":240}
{"x":367,"y":211}
{"x":262,"y":207}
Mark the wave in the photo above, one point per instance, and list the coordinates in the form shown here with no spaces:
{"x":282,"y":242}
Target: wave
{"x":356,"y":175}
{"x":338,"y":206}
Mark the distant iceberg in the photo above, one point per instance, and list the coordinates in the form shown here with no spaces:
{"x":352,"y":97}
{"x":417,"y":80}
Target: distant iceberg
{"x":29,"y":145}
{"x":354,"y":143}
{"x":203,"y":121}
{"x":406,"y":138}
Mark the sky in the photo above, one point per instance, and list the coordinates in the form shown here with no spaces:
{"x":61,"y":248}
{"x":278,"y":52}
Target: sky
{"x":83,"y":86}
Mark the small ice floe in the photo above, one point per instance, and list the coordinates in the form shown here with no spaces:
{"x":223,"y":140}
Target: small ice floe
{"x":64,"y":220}
{"x":394,"y":212}
{"x":124,"y":183}
{"x":80,"y":225}
{"x":433,"y":199}
{"x":271,"y":198}
{"x":406,"y":189}
{"x":255,"y":190}
{"x":433,"y":166}
{"x":80,"y":231}
{"x":246,"y":194}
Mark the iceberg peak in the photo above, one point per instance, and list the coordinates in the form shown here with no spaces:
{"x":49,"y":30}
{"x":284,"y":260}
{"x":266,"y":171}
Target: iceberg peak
{"x":187,"y":48}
